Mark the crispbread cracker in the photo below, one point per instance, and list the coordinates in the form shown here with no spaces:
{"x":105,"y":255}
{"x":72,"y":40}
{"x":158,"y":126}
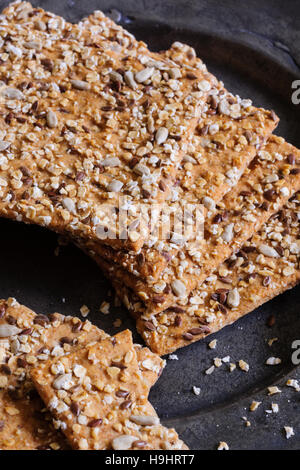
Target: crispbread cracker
{"x":227,"y":139}
{"x":83,"y":125}
{"x":23,"y":423}
{"x":99,"y":400}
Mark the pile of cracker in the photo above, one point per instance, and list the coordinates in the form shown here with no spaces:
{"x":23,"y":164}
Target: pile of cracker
{"x":94,"y":126}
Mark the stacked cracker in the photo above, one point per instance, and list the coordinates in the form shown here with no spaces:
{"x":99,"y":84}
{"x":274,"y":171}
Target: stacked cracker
{"x":100,"y":116}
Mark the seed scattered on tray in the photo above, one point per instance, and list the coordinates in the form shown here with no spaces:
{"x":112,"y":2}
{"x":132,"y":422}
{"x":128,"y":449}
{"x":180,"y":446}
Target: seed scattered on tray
{"x":294,"y":384}
{"x":84,"y":310}
{"x":244,"y":366}
{"x":289,"y":431}
{"x":226,"y":359}
{"x":210,"y":370}
{"x":275,"y":407}
{"x":254,"y":405}
{"x":105,"y":307}
{"x":273,"y":390}
{"x":117,"y":323}
{"x":217,"y":362}
{"x":173,"y":357}
{"x":273,"y":361}
{"x":271,"y":341}
{"x":247,"y":422}
{"x":223,"y":446}
{"x":196,"y":390}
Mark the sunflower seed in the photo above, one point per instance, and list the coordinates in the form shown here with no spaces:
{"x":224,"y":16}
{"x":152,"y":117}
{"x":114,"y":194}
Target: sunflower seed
{"x":33,"y":45}
{"x":224,"y":107}
{"x":271,"y":178}
{"x":123,"y":442}
{"x":141,"y":170}
{"x":161,"y":135}
{"x":178,"y":288}
{"x":204,"y":85}
{"x":273,"y":361}
{"x":227,"y":235}
{"x":40,"y":25}
{"x":129,"y":79}
{"x":144,"y":75}
{"x":174,"y":73}
{"x":209,"y":203}
{"x":150,"y":124}
{"x":145,"y":420}
{"x":111,"y":162}
{"x":51,"y":119}
{"x":115,"y":186}
{"x":116,"y":76}
{"x":9,"y":330}
{"x":63,"y":382}
{"x":69,"y":204}
{"x":268,"y":251}
{"x":12,"y":94}
{"x":233,"y":298}
{"x":80,"y":85}
{"x":4,"y":145}
{"x":15,"y":346}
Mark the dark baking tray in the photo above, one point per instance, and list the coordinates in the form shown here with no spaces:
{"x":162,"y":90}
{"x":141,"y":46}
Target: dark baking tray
{"x":254,"y":47}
